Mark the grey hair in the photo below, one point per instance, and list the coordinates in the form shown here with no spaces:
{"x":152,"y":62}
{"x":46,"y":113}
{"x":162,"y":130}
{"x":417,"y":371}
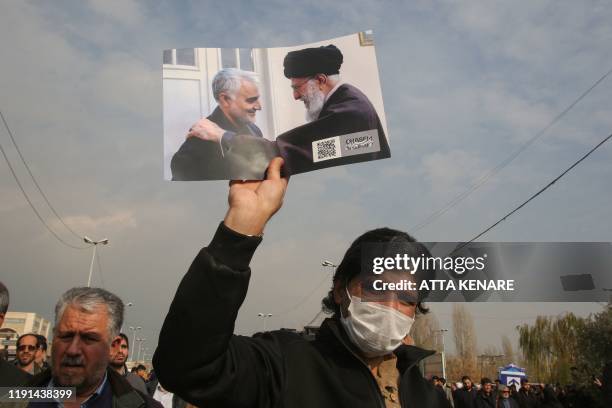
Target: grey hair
{"x":4,"y":299}
{"x":87,"y":300}
{"x":229,"y":80}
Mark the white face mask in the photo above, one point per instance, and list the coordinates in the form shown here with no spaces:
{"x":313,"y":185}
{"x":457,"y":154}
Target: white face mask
{"x":375,"y":329}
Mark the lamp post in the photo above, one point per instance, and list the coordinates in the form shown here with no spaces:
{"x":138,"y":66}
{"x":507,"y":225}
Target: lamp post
{"x":93,"y":257}
{"x":328,"y":264}
{"x":264,"y":316}
{"x":134,"y":329}
{"x":442,"y":331}
{"x":140,"y":348}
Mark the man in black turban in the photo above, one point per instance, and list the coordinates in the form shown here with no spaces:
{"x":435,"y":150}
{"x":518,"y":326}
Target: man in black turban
{"x":342,"y":125}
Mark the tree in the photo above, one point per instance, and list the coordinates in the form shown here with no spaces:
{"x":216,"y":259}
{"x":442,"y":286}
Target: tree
{"x":465,"y":339}
{"x":426,"y":332}
{"x":593,"y":349}
{"x":507,"y":349}
{"x":550,"y":347}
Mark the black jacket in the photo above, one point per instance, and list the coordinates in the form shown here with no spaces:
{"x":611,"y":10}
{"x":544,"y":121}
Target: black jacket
{"x":464,"y":398}
{"x":124,"y":396}
{"x":346,"y":111}
{"x":273,"y":369}
{"x":199,"y":159}
{"x":526,"y":399}
{"x":11,"y":376}
{"x":483,"y":401}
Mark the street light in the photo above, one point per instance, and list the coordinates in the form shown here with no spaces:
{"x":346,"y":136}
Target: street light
{"x":329,"y":264}
{"x":264,"y":316}
{"x":134,"y":329}
{"x":139,"y":348}
{"x":442,"y":331}
{"x":95,"y":245}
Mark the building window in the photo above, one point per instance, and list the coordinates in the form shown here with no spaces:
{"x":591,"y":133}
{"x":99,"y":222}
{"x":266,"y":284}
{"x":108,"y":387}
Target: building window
{"x":9,"y":320}
{"x":366,"y":38}
{"x":241,"y":58}
{"x":182,"y":56}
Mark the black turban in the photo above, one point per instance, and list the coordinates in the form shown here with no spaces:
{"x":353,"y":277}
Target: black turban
{"x":312,"y":61}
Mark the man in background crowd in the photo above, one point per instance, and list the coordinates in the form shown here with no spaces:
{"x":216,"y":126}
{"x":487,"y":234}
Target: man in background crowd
{"x":10,"y":376}
{"x":485,"y":397}
{"x":87,"y":322}
{"x":465,"y":396}
{"x":41,"y":353}
{"x":505,"y":400}
{"x":119,"y":354}
{"x":525,"y":396}
{"x":27,"y":347}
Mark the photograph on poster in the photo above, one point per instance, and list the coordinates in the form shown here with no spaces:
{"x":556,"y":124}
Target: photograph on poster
{"x":229,"y":111}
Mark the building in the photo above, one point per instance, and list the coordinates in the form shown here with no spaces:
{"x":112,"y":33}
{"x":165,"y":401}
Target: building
{"x":18,"y":323}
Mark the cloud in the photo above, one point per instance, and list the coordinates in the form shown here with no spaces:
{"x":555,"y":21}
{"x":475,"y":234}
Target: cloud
{"x":447,"y":172}
{"x":116,"y":221}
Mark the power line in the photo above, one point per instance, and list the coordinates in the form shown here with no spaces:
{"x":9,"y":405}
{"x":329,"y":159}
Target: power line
{"x":34,"y":179}
{"x":484,"y":178}
{"x":546,"y":187}
{"x":32,"y":205}
{"x":305,"y":298}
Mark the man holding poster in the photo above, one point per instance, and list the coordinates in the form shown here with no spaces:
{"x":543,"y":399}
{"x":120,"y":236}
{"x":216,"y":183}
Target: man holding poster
{"x":339,"y":368}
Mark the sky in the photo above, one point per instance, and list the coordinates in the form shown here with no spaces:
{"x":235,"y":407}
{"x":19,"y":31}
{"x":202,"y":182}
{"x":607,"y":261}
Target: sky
{"x":464,"y":84}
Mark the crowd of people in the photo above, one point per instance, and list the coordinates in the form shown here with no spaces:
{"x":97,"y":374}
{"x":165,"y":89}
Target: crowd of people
{"x":493,"y":394}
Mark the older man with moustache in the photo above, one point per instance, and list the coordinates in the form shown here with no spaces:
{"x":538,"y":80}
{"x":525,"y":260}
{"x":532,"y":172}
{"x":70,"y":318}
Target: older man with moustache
{"x":237,"y":95}
{"x":334,"y":110}
{"x":87,"y":323}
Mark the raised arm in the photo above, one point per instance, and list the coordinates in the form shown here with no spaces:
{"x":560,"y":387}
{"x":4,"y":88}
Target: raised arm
{"x":198,"y":357}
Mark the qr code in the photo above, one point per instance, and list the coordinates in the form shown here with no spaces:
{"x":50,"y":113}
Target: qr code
{"x":326,"y":149}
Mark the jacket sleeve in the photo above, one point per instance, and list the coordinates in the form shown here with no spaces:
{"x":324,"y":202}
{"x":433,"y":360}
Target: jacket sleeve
{"x":198,"y":357}
{"x":198,"y":159}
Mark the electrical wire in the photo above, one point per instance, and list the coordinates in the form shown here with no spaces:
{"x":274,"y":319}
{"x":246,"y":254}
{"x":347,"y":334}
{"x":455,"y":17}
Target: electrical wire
{"x":546,"y":187}
{"x":487,"y":176}
{"x":23,"y":160}
{"x":40,"y":218}
{"x":305,"y":298}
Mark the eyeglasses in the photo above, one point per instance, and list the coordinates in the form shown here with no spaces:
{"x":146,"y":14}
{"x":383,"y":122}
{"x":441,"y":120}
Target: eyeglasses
{"x":296,"y":87}
{"x":28,"y":347}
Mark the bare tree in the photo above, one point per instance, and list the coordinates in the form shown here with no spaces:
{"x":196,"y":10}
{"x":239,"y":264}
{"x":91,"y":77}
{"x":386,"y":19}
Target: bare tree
{"x":426,"y":332}
{"x":465,"y":339}
{"x":507,"y":349}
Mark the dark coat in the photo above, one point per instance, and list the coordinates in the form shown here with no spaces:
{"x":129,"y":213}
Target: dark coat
{"x":273,"y":369}
{"x":199,"y":159}
{"x":511,"y":401}
{"x":526,"y":399}
{"x":123,"y":395}
{"x":483,"y":401}
{"x":11,"y":376}
{"x":464,"y":398}
{"x":346,"y":111}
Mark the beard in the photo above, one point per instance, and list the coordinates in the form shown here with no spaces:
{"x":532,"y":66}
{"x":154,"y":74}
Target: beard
{"x":74,"y":372}
{"x":313,"y":100}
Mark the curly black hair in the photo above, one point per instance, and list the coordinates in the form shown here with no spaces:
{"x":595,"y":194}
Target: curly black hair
{"x":350,"y":266}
